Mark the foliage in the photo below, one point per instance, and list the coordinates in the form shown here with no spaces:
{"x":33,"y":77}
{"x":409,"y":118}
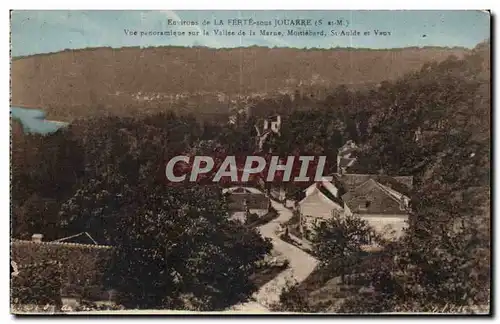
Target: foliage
{"x":44,"y":170}
{"x":337,"y":242}
{"x":293,"y":299}
{"x":171,"y":242}
{"x":38,"y":285}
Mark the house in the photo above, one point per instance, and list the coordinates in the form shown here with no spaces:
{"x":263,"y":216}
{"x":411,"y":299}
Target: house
{"x":320,"y":202}
{"x":246,"y":200}
{"x":382,"y":200}
{"x":271,"y":126}
{"x":382,"y":206}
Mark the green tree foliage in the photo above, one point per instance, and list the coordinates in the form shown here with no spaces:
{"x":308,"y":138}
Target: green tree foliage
{"x":44,"y":170}
{"x":337,"y":242}
{"x":39,"y":285}
{"x":294,"y":300}
{"x":171,"y":247}
{"x":444,"y":261}
{"x":174,"y":246}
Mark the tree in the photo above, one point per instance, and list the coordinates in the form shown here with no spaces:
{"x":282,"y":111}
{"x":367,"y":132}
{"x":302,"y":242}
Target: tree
{"x":293,"y":299}
{"x":45,"y":169}
{"x":338,"y":242}
{"x":443,"y":263}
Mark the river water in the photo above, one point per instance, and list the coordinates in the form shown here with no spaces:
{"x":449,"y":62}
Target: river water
{"x":33,"y":120}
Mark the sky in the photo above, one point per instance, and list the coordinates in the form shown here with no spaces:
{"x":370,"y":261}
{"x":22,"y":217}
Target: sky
{"x":34,"y":32}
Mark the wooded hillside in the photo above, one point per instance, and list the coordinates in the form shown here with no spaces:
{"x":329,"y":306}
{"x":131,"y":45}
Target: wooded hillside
{"x":129,"y":81}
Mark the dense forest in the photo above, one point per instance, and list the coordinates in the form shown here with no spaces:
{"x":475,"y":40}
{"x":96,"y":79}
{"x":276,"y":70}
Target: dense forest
{"x":103,"y":175}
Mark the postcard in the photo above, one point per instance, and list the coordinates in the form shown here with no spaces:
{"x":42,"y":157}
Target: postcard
{"x":250,"y":162}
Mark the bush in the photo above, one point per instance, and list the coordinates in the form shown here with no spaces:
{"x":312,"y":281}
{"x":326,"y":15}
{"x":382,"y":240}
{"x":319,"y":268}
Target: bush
{"x":39,"y":285}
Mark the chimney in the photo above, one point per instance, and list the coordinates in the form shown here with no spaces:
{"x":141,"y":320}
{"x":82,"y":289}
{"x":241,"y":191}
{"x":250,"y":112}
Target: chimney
{"x":37,"y":238}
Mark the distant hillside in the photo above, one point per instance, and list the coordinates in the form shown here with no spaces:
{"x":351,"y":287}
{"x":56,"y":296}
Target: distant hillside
{"x":128,"y":81}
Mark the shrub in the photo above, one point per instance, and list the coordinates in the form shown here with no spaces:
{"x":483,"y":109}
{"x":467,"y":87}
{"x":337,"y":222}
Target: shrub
{"x":38,"y":285}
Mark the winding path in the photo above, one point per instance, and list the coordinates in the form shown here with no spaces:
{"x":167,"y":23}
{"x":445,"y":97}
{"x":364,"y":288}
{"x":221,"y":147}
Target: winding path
{"x":300,"y":267}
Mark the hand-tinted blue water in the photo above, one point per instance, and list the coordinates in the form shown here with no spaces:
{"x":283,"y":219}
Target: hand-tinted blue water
{"x":33,"y":120}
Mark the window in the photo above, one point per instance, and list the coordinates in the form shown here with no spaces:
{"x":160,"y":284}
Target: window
{"x":365,"y":205}
{"x":319,"y":223}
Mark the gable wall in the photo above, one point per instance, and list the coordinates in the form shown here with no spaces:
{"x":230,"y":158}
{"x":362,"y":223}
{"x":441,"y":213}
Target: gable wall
{"x":313,"y":205}
{"x":381,"y":202}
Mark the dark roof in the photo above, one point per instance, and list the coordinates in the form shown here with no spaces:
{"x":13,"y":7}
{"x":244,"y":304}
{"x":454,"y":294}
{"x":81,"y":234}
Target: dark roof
{"x":329,"y":195}
{"x":344,"y":162}
{"x":358,"y":191}
{"x":402,"y":184}
{"x":81,"y":266}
